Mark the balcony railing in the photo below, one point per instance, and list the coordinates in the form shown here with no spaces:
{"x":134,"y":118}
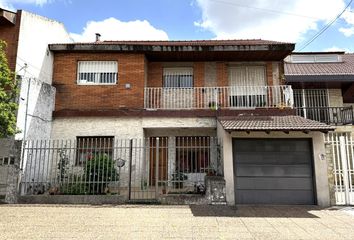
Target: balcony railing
{"x":328,"y":115}
{"x":219,"y":97}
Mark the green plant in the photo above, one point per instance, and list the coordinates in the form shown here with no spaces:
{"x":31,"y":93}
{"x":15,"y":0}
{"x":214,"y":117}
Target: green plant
{"x":99,"y":171}
{"x":8,"y":96}
{"x":73,"y":189}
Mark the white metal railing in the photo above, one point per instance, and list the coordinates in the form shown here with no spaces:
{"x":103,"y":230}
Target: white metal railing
{"x":219,"y":97}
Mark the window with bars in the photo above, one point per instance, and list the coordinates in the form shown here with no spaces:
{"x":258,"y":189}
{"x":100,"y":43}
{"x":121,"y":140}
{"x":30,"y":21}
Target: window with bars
{"x":178,"y":77}
{"x":97,"y":72}
{"x":192,"y":154}
{"x":89,"y":147}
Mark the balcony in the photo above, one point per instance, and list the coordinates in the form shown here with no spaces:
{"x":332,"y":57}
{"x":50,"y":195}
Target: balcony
{"x":328,"y":115}
{"x":233,"y":97}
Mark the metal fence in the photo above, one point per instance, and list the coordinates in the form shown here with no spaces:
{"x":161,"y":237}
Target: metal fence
{"x":328,"y":115}
{"x":219,"y":97}
{"x":340,"y":149}
{"x":136,"y":168}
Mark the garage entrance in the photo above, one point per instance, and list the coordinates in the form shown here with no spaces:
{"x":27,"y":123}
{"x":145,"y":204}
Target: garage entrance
{"x":273,"y":171}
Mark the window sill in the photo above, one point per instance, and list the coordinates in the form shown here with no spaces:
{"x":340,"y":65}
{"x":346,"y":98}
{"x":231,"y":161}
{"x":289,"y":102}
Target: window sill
{"x":96,"y":84}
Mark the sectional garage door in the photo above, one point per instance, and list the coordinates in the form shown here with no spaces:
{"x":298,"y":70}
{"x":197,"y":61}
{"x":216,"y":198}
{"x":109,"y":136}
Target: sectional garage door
{"x":273,"y":171}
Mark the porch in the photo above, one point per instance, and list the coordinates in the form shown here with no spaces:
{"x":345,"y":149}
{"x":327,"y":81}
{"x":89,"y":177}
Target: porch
{"x":229,"y":97}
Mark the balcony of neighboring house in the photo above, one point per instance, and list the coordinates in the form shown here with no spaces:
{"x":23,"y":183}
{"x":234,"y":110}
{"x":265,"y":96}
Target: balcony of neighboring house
{"x":316,"y":104}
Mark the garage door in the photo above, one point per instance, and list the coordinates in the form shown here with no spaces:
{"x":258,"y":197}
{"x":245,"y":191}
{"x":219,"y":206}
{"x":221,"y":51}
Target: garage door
{"x":273,"y":171}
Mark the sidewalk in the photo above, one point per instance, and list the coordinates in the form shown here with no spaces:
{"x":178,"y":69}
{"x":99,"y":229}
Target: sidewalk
{"x":173,"y":222}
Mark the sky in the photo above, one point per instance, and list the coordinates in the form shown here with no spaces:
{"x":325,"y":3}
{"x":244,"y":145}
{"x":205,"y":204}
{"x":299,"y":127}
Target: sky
{"x":295,"y":21}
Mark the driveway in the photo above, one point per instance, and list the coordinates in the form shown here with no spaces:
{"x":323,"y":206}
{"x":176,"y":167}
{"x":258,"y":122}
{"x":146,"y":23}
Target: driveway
{"x":174,"y":222}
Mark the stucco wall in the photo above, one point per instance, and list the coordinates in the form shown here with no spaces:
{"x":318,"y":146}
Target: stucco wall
{"x":335,"y":97}
{"x":123,"y":128}
{"x":35,"y":33}
{"x":320,"y":165}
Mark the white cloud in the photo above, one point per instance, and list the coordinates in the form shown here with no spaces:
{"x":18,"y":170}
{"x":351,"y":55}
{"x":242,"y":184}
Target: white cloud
{"x":348,"y":18}
{"x":231,"y":19}
{"x":336,"y":49}
{"x":114,"y":29}
{"x":8,"y":4}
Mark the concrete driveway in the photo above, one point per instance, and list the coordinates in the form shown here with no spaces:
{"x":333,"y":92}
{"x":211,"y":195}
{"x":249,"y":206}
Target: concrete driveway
{"x":174,"y":222}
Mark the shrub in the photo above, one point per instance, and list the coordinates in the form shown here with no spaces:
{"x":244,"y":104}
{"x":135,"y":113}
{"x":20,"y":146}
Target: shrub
{"x":99,"y":171}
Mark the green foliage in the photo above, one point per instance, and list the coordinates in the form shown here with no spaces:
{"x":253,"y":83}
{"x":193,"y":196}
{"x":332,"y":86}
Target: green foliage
{"x":8,"y":95}
{"x":99,"y":171}
{"x":73,"y":189}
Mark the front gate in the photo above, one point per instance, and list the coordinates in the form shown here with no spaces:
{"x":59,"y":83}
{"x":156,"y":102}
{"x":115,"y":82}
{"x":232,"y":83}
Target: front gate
{"x":340,"y":152}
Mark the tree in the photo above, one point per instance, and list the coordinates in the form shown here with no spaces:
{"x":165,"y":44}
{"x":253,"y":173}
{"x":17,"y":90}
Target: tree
{"x":8,"y":95}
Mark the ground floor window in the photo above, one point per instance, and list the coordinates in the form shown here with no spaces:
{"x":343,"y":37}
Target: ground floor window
{"x":90,"y":147}
{"x":192,"y":154}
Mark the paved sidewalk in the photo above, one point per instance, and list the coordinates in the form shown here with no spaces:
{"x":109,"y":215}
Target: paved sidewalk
{"x":173,"y":222}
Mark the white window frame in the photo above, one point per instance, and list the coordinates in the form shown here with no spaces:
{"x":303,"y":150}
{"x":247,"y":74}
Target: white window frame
{"x":178,"y":71}
{"x":97,"y":67}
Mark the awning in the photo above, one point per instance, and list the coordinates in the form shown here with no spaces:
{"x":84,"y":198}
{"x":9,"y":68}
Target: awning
{"x":272,"y":123}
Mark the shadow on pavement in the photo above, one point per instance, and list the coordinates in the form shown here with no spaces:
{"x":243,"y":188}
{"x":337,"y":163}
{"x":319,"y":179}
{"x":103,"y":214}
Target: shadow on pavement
{"x":254,"y":211}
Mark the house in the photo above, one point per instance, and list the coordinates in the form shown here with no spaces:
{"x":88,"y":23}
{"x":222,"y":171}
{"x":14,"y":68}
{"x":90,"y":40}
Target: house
{"x":323,"y":84}
{"x":27,"y":36}
{"x":170,"y":113}
{"x":323,"y":91}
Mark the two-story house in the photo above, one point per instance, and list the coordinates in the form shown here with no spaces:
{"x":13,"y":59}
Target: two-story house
{"x":323,"y":84}
{"x":192,"y":108}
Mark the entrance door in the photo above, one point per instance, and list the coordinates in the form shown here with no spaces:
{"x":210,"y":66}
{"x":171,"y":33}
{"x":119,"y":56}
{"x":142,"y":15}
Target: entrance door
{"x":159,"y":151}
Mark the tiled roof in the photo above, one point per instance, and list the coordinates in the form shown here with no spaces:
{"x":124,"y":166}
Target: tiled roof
{"x":272,"y":123}
{"x":346,"y":67}
{"x":248,"y":42}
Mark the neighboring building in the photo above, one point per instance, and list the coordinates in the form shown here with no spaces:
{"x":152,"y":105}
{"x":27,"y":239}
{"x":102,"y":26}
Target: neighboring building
{"x":27,"y":36}
{"x":323,"y":84}
{"x":183,"y":94}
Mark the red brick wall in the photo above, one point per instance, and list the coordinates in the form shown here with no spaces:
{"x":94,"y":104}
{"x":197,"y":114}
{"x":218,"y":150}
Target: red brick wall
{"x":102,"y":97}
{"x":222,"y":74}
{"x":269,"y":73}
{"x":155,"y":72}
{"x":10,"y":33}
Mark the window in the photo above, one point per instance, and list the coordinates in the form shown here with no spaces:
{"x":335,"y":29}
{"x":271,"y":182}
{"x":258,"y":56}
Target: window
{"x":192,"y":154}
{"x":89,"y":147}
{"x":97,"y":72}
{"x":178,"y":77}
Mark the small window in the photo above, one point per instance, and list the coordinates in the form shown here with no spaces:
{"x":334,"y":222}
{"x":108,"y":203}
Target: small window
{"x":97,"y":72}
{"x":90,"y":147}
{"x":178,"y":77}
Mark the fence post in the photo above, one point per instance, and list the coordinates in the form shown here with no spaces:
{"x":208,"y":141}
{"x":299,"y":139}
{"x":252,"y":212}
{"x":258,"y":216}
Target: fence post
{"x":157,"y":166}
{"x":13,"y":176}
{"x":344,"y":158}
{"x":130,"y":169}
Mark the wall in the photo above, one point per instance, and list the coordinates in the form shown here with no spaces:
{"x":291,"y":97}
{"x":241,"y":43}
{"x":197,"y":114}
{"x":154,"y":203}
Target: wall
{"x":210,"y":74}
{"x":122,"y":128}
{"x":335,"y":97}
{"x":320,"y":166}
{"x":70,"y":95}
{"x":10,"y":33}
{"x":33,"y":50}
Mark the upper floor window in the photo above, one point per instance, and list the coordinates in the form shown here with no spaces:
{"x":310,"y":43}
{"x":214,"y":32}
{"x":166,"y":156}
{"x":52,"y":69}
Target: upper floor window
{"x":97,"y":72}
{"x":178,"y":77}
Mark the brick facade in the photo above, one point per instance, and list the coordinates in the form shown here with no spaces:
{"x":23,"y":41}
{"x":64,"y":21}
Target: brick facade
{"x":134,"y":69}
{"x":10,"y":34}
{"x":70,"y":95}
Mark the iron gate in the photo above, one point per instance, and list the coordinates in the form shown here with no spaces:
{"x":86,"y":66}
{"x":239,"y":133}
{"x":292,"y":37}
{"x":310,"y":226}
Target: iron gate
{"x":340,"y":150}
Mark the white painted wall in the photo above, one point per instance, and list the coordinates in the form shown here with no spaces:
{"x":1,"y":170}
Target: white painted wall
{"x":36,"y":32}
{"x":123,"y":128}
